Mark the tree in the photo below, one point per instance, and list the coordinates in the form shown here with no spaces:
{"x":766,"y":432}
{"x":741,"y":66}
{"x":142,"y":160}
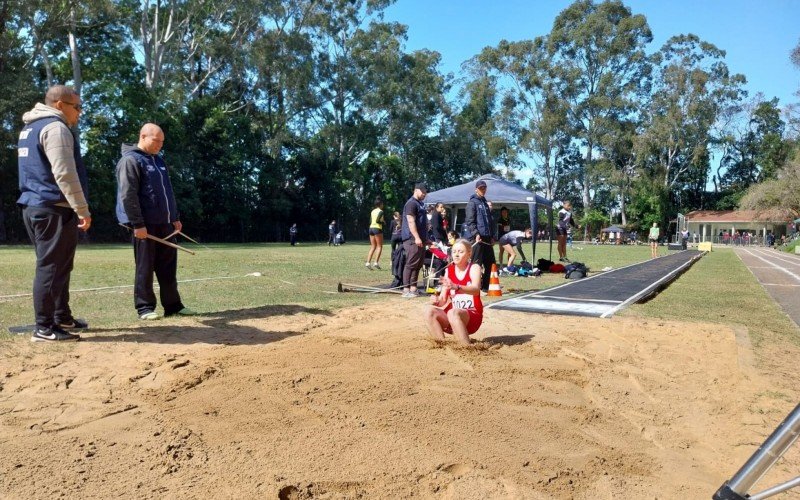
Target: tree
{"x":781,"y":193}
{"x":599,"y":67}
{"x":619,"y":162}
{"x":757,"y":149}
{"x":692,"y":88}
{"x":18,"y":82}
{"x":531,"y":120}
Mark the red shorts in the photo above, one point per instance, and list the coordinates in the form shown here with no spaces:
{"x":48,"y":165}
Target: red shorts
{"x":475,"y":320}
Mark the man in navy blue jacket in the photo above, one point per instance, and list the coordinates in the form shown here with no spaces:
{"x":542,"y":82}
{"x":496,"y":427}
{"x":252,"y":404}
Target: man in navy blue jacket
{"x":145,"y":202}
{"x":53,"y":187}
{"x":480,"y":231}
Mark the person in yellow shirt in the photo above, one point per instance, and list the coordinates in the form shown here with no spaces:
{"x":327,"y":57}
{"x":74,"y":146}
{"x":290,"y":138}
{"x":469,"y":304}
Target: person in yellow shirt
{"x":375,"y":235}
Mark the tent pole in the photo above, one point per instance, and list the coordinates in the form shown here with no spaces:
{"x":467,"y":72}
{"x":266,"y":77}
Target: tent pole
{"x":533,"y":214}
{"x":551,"y":233}
{"x":454,"y":211}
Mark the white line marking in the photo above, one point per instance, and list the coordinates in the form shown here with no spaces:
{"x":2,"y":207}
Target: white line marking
{"x":793,"y":275}
{"x":576,"y":299}
{"x":777,"y":256}
{"x":101,"y":288}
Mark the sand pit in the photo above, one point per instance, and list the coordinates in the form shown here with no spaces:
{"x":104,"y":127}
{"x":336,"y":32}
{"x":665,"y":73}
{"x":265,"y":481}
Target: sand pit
{"x":290,"y":402}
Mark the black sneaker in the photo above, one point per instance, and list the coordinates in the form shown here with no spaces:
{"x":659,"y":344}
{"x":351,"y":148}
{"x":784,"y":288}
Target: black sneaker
{"x":53,"y":334}
{"x":77,"y":324}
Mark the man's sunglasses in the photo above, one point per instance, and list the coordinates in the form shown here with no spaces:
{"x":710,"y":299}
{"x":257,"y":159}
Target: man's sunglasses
{"x":77,"y":107}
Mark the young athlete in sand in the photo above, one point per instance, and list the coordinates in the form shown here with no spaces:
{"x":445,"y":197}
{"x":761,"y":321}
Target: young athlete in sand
{"x":457,"y":309}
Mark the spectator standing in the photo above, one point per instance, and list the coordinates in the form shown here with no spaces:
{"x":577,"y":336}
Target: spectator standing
{"x":53,"y":187}
{"x":293,"y":234}
{"x":415,"y":235}
{"x":480,"y":228}
{"x":375,"y":235}
{"x":332,"y":233}
{"x":438,"y":231}
{"x":145,"y":201}
{"x":395,"y":228}
{"x":565,"y":220}
{"x":652,"y":238}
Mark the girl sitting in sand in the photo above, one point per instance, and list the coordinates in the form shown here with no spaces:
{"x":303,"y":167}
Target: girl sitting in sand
{"x":457,"y":309}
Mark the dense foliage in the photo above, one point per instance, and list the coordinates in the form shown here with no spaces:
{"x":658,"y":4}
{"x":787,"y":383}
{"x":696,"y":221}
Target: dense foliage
{"x":284,"y":111}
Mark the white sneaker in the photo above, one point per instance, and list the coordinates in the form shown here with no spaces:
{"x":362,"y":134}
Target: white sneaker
{"x":368,"y":265}
{"x":377,"y":266}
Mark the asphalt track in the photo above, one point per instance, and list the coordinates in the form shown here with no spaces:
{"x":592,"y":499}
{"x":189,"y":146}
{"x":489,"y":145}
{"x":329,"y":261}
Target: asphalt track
{"x":604,"y":294}
{"x":779,"y":274}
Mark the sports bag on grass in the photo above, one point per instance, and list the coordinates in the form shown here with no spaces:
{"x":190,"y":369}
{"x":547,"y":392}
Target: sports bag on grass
{"x":575,"y":271}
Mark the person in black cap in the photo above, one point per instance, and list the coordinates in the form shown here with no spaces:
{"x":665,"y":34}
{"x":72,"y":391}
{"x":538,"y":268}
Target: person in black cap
{"x":480,"y":229}
{"x":415,"y":235}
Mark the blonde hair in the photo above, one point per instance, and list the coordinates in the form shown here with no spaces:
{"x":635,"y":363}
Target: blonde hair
{"x":466,"y":244}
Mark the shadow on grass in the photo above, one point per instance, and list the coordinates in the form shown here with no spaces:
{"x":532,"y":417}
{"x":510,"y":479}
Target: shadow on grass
{"x":217,"y":328}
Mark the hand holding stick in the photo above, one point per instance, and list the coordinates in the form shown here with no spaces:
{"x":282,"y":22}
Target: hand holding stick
{"x":162,"y":241}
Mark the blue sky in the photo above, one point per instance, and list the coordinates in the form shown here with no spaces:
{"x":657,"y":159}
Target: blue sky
{"x":756,"y":34}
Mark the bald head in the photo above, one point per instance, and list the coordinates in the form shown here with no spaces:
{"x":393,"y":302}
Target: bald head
{"x":150,"y":129}
{"x":151,"y":138}
{"x":60,"y":93}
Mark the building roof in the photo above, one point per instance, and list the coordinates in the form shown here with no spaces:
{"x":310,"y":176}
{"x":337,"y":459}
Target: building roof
{"x":733,"y":216}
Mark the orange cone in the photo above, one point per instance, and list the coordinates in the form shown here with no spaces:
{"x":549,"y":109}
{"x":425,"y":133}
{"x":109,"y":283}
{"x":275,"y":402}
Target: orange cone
{"x":494,"y":283}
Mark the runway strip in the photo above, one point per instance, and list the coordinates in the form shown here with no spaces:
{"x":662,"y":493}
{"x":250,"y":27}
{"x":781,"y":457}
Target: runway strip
{"x":778,"y":273}
{"x":602,"y":295}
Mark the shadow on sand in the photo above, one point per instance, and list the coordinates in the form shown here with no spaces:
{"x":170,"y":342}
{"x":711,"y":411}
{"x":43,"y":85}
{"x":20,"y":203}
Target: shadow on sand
{"x":215,"y":328}
{"x":509,"y":339}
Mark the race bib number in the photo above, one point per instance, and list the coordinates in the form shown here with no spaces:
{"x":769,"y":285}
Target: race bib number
{"x":506,"y":228}
{"x":463,"y":301}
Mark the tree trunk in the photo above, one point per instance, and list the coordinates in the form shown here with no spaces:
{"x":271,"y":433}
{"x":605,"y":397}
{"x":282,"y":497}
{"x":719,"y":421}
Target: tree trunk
{"x":77,"y":78}
{"x":587,"y":200}
{"x":40,"y":48}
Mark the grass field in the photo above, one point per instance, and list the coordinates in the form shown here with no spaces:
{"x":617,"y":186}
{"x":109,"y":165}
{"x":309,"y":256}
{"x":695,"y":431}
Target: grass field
{"x":718,"y":288}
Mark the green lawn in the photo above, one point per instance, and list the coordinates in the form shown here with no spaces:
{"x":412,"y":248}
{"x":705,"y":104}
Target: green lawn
{"x":718,"y":288}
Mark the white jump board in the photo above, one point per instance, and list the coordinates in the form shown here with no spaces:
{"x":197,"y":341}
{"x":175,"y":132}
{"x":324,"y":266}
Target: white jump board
{"x":544,"y":305}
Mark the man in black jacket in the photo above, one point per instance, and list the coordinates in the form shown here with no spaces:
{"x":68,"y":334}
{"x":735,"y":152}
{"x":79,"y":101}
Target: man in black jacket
{"x":146,"y":203}
{"x":480,"y":229}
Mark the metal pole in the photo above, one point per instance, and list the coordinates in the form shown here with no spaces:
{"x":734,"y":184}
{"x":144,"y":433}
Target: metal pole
{"x":765,"y":457}
{"x":788,"y":485}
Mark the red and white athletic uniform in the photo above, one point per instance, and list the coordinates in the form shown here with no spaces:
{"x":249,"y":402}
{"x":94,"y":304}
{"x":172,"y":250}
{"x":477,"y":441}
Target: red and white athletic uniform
{"x":470,"y":303}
